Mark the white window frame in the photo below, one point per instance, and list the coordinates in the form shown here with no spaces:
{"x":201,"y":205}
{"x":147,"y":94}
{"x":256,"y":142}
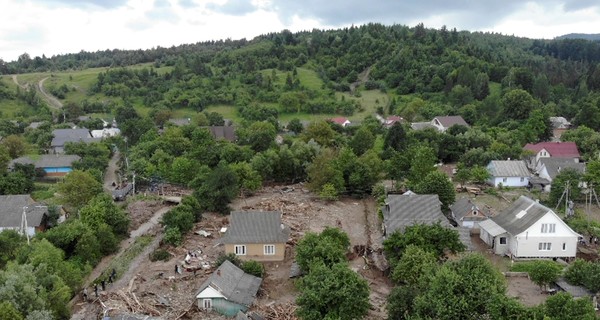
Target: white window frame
{"x":239,"y":249}
{"x":269,"y":249}
{"x":545,"y":246}
{"x":548,"y":227}
{"x":207,"y":304}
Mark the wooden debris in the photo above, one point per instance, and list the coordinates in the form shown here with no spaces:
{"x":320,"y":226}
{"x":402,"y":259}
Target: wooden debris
{"x":278,"y":311}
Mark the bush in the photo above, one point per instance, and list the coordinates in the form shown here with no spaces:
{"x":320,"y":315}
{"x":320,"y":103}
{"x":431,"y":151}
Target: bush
{"x":160,"y":254}
{"x":254,"y":268}
{"x":231,"y":257}
{"x":328,"y":192}
{"x":172,"y":236}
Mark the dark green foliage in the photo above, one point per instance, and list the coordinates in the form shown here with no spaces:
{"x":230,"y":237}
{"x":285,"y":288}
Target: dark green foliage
{"x":295,"y":126}
{"x":400,"y":303}
{"x":160,"y":254}
{"x":172,"y":236}
{"x":93,"y":155}
{"x":231,"y":257}
{"x":252,"y":267}
{"x":584,"y":273}
{"x":431,"y":238}
{"x":79,"y":187}
{"x":217,"y":189}
{"x":102,"y":210}
{"x":10,"y":243}
{"x":180,"y":217}
{"x":8,"y":312}
{"x":332,"y":292}
{"x":566,"y":178}
{"x":544,"y":272}
{"x":329,"y":247}
{"x":437,"y":182}
{"x":562,"y":306}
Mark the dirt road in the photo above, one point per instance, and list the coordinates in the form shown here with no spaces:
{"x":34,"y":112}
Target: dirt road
{"x":16,"y":81}
{"x":52,"y":101}
{"x":110,"y":174}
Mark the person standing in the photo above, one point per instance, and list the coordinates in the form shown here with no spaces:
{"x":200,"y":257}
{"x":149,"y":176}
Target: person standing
{"x":85,"y":294}
{"x":96,"y":289}
{"x":103,"y":285}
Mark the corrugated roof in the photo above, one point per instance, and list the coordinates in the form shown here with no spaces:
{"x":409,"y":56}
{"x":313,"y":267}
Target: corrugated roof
{"x":491,"y":227}
{"x":256,"y":227}
{"x":463,"y":207}
{"x":11,"y":211}
{"x":449,"y":121}
{"x":233,"y":283}
{"x":62,"y":136}
{"x":509,"y":217}
{"x":222,"y":132}
{"x":508,"y":168}
{"x":405,"y":210}
{"x":464,"y":235}
{"x":555,"y":149}
{"x":575,"y":291}
{"x":421,"y":125}
{"x":555,"y":165}
{"x":48,"y":161}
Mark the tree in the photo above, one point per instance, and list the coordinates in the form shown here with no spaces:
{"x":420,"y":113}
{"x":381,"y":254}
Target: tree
{"x":432,"y":238}
{"x":101,"y":209}
{"x":332,"y":292}
{"x":544,"y":272}
{"x":422,"y":163}
{"x":400,"y":302}
{"x":463,"y":174}
{"x":362,"y":141}
{"x":18,"y":287}
{"x":321,"y":133}
{"x":217,"y":189}
{"x":295,"y":126}
{"x":395,"y":138}
{"x":249,"y":180}
{"x":15,"y":145}
{"x":517,"y":104}
{"x":567,"y":178}
{"x":259,"y":135}
{"x":562,"y":306}
{"x":252,"y":267}
{"x":78,"y":188}
{"x":179,"y":217}
{"x":328,"y":247}
{"x":323,"y":171}
{"x":8,"y":312}
{"x":436,"y":182}
{"x":10,"y":243}
{"x":414,"y":265}
{"x":480,"y":175}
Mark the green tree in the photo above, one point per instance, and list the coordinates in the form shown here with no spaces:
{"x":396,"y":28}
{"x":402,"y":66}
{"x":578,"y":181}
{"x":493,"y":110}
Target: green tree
{"x":400,"y":302}
{"x":463,"y":174}
{"x":422,"y":163}
{"x":18,"y":287}
{"x":15,"y":145}
{"x":396,"y":138}
{"x":517,"y":104}
{"x":544,"y":272}
{"x":180,"y":217}
{"x":480,"y":175}
{"x":323,"y":171}
{"x":328,"y":247}
{"x":436,"y":182}
{"x":217,"y":189}
{"x":362,"y":141}
{"x":8,"y":312}
{"x":252,"y":267}
{"x":249,"y":180}
{"x":332,"y":292}
{"x":259,"y":135}
{"x":101,"y":209}
{"x":321,"y":133}
{"x":562,"y":306}
{"x":414,"y":265}
{"x":432,"y":238}
{"x":10,"y":243}
{"x":295,"y":126}
{"x":566,"y":178}
{"x":79,"y":187}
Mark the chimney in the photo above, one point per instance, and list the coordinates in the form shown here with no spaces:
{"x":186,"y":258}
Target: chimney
{"x":219,"y":273}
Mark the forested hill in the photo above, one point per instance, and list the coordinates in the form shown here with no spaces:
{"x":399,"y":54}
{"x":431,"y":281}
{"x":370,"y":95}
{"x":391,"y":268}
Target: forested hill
{"x":585,"y":36}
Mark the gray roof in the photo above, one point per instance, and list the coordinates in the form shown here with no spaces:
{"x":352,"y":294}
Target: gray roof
{"x":48,"y":161}
{"x":464,"y":235}
{"x":509,"y":219}
{"x":401,"y":211}
{"x":491,"y":227}
{"x":233,"y":283}
{"x":508,"y":168}
{"x":463,"y":208}
{"x":11,"y":211}
{"x":421,"y":125}
{"x":555,"y":165}
{"x":222,"y":132}
{"x":181,"y":121}
{"x":256,"y":227}
{"x":449,"y":121}
{"x":62,"y":136}
{"x":575,"y":291}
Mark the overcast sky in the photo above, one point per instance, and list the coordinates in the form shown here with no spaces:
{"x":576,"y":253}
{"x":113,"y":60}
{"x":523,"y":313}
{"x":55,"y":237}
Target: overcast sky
{"x":53,"y":27}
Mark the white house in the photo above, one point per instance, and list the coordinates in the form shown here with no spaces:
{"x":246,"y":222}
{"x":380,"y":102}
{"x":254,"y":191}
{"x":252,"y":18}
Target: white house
{"x":549,"y":168}
{"x":344,"y":122}
{"x":19,"y":212}
{"x":509,"y":173}
{"x":528,"y":229}
{"x":467,"y":214}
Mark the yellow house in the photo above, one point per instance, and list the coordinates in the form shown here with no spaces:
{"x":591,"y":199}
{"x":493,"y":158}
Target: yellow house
{"x":255,"y":235}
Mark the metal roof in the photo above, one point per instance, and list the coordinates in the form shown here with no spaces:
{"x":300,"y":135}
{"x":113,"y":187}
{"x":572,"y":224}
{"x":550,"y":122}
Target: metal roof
{"x":401,"y":211}
{"x":48,"y":161}
{"x":233,"y":283}
{"x":491,"y":227}
{"x":449,"y":121}
{"x":508,"y":168}
{"x":256,"y":227}
{"x":575,"y":291}
{"x":555,"y":165}
{"x":11,"y":211}
{"x":565,"y":149}
{"x":62,"y":136}
{"x":520,"y":215}
{"x":463,"y":208}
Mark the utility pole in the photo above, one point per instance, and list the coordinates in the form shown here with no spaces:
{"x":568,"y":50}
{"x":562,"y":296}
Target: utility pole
{"x":24,"y":224}
{"x":133,"y":183}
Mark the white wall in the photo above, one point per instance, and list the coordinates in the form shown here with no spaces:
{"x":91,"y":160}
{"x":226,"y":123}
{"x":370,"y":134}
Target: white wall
{"x":510,"y":181}
{"x":30,"y":230}
{"x":527,"y":243}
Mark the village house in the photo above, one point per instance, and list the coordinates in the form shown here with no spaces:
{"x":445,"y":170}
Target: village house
{"x":256,"y":235}
{"x":564,"y":150}
{"x":222,"y":132}
{"x":228,"y":290}
{"x":549,"y":168}
{"x":508,"y":173}
{"x":19,"y":212}
{"x":344,"y":122}
{"x":559,"y":126}
{"x":528,"y":229}
{"x":62,"y":136}
{"x":444,"y":123}
{"x":466,"y":213}
{"x":391,"y":120}
{"x":402,"y":210}
{"x":54,"y":165}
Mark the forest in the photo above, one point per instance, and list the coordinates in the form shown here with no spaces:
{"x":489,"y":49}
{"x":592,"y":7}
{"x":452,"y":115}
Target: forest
{"x":279,"y":89}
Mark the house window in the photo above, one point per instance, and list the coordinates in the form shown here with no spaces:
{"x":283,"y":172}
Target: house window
{"x":545,"y":246}
{"x":522,"y":179}
{"x":564,"y":246}
{"x":269,"y":249}
{"x":504,"y":180}
{"x":548,"y":227}
{"x":502,"y":240}
{"x":240,"y":250}
{"x":207,"y":303}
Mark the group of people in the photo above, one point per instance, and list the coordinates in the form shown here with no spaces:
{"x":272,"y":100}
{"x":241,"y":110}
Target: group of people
{"x":102,"y":284}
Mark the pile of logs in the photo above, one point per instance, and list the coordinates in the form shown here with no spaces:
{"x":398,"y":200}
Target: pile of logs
{"x":278,"y":311}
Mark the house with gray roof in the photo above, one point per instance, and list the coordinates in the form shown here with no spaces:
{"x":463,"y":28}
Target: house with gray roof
{"x":466,"y":213}
{"x":444,"y":123}
{"x":528,"y":229}
{"x":549,"y":168}
{"x":509,"y":173}
{"x":222,"y":132}
{"x":402,"y":210}
{"x":12,"y":218}
{"x":62,"y":136}
{"x":54,"y":165}
{"x":256,"y":235}
{"x":228,"y":290}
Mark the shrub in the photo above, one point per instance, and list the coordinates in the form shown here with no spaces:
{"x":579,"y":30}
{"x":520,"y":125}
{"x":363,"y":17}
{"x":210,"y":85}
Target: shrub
{"x":254,"y":268}
{"x":328,"y":192}
{"x":231,"y":257}
{"x":160,"y":254}
{"x":172,"y":236}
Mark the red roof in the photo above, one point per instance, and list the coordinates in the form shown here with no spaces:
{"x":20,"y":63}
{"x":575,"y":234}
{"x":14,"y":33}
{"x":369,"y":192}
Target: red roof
{"x":394,"y":118}
{"x":555,"y":149}
{"x":339,"y":120}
